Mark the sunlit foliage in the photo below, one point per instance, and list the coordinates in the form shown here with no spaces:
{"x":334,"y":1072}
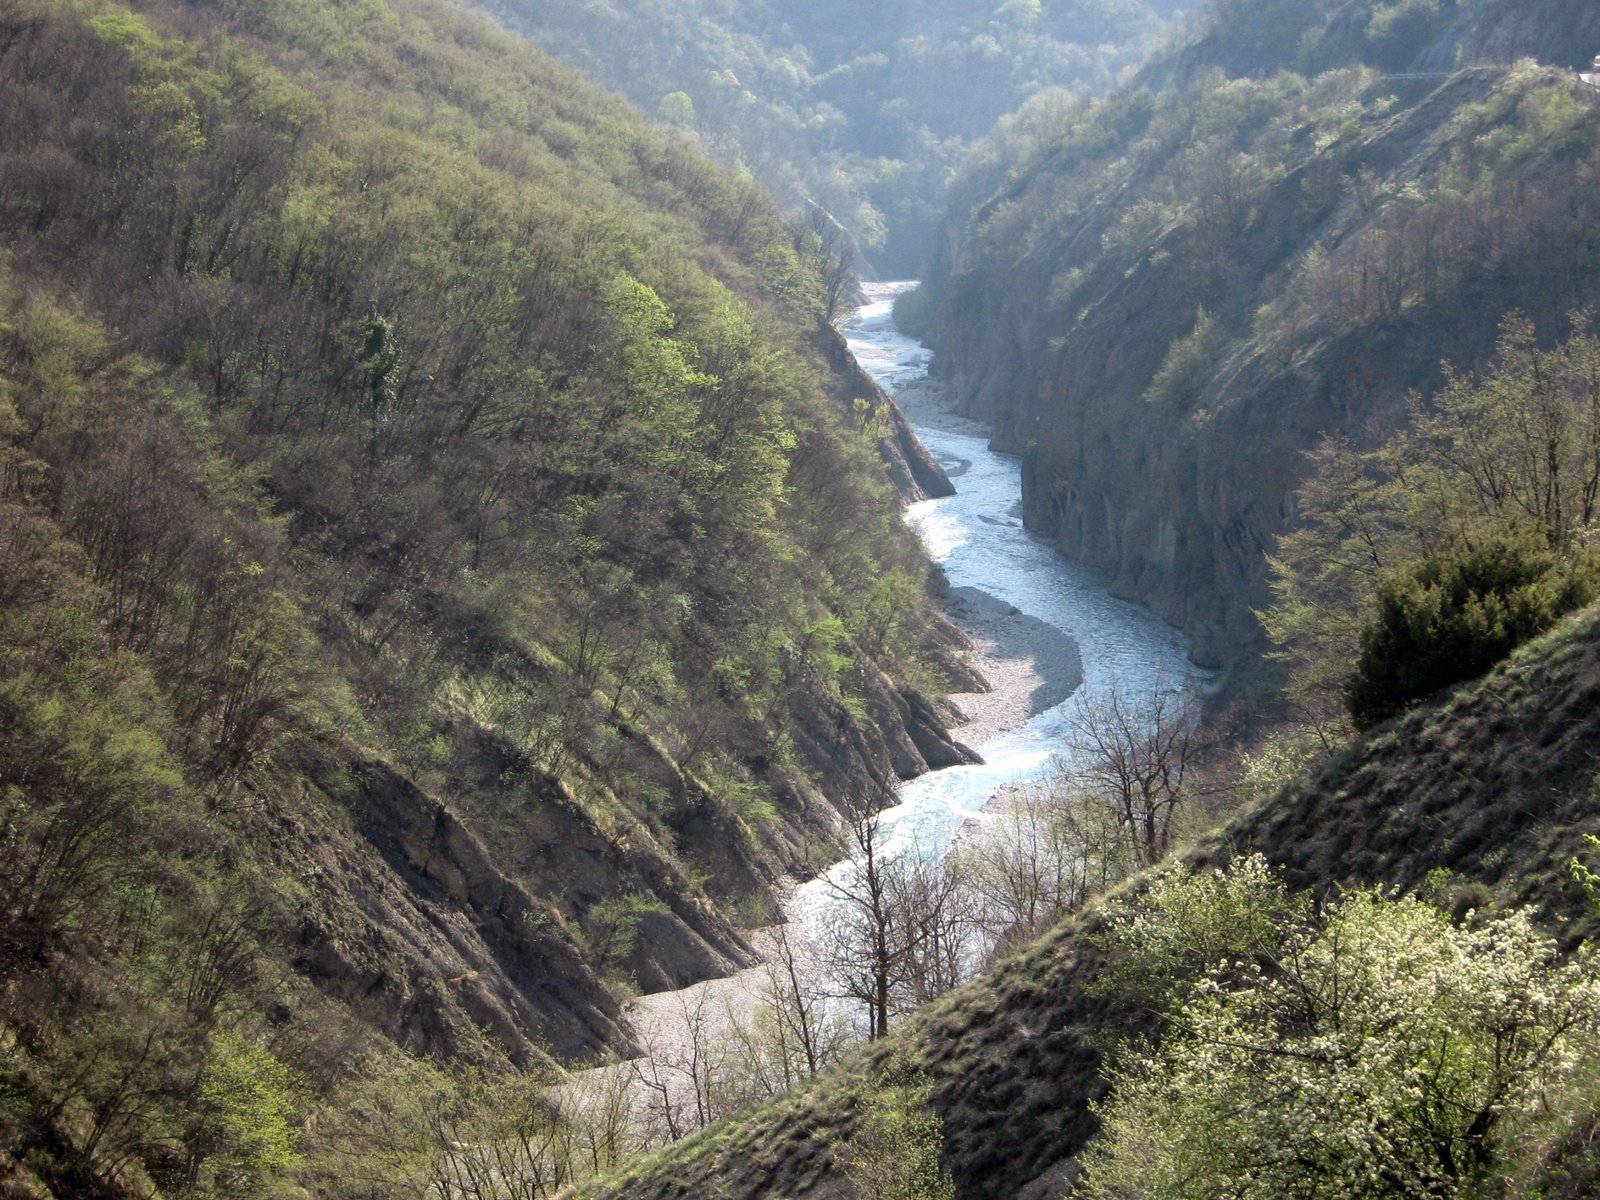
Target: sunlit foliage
{"x":375,"y":394}
{"x":1377,"y":1050}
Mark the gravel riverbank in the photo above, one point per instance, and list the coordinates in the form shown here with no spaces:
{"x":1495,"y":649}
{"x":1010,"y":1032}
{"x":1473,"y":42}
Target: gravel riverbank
{"x":1029,"y":665}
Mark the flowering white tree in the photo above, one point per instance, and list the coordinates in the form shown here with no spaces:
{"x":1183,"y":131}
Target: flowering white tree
{"x":894,"y":1152}
{"x":1381,"y":1052}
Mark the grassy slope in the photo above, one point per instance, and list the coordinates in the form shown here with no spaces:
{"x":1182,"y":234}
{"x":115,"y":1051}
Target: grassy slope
{"x":1497,"y":784}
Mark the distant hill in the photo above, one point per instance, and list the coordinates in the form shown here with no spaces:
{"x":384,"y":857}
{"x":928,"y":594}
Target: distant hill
{"x":1400,"y":36}
{"x":863,"y":109}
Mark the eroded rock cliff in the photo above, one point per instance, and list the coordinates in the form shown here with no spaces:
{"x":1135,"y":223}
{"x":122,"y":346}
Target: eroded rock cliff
{"x":1184,"y":291}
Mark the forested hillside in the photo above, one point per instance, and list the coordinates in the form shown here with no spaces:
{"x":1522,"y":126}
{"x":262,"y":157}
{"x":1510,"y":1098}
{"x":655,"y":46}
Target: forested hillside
{"x":861,"y":109}
{"x":445,"y":579}
{"x":452,"y":579}
{"x":1294,"y":334}
{"x":1165,"y":299}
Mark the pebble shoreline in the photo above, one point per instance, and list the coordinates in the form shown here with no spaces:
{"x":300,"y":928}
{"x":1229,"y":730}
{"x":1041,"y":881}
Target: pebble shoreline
{"x":1030,"y":666}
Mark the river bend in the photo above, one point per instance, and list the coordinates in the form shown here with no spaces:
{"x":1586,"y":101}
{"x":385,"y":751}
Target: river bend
{"x":977,"y":536}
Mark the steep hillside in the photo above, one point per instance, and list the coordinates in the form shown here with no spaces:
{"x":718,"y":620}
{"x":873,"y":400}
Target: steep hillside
{"x":1495,"y":785}
{"x":1162,"y":300}
{"x":446,"y":577}
{"x":1311,"y":36}
{"x":862,"y":109}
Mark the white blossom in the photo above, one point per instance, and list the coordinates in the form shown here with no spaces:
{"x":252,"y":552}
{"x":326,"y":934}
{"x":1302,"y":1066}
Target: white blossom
{"x":1381,"y":1052}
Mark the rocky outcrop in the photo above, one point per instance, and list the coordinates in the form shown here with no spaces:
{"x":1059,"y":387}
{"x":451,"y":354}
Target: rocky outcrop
{"x":910,"y":468}
{"x":440,"y":925}
{"x":907,"y":733}
{"x":411,"y":921}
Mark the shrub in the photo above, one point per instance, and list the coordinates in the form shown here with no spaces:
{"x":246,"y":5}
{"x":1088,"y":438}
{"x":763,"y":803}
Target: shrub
{"x":1458,"y":613}
{"x":1381,"y":1050}
{"x":894,"y":1154}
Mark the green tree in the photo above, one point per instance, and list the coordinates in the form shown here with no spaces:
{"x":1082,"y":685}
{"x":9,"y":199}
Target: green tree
{"x":1189,"y":363}
{"x":1459,"y":613}
{"x":1383,"y":1050}
{"x":380,"y":355}
{"x":676,"y":108}
{"x":1188,"y":922}
{"x":245,"y":1115}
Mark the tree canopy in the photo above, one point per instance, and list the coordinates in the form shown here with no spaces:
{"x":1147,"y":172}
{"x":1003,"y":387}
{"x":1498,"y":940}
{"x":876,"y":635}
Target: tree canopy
{"x":425,"y":517}
{"x":1379,"y":1049}
{"x":1450,"y":542}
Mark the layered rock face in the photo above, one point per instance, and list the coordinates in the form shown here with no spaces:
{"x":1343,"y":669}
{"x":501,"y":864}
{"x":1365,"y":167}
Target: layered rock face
{"x":913,"y":471}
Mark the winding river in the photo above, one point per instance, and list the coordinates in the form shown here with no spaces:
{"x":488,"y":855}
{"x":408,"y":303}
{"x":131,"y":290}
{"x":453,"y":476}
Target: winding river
{"x":978,"y":538}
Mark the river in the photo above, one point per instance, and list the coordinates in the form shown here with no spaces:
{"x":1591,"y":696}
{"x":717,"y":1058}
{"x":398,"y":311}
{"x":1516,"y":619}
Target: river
{"x":977,"y":536}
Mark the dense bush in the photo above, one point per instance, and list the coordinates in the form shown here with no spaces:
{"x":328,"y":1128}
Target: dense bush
{"x":1457,"y":614}
{"x":894,"y":1153}
{"x":1375,"y":1049}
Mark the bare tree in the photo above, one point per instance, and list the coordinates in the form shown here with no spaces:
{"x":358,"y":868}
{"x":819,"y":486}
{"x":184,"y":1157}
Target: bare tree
{"x":903,"y":933}
{"x":805,"y":1037}
{"x":596,"y":1117}
{"x":1019,"y":869}
{"x":681,"y":1070}
{"x":865,"y":946}
{"x":789,"y":1036}
{"x":1145,"y":758}
{"x":1042,"y":851}
{"x":498,"y":1138}
{"x":937,"y":923}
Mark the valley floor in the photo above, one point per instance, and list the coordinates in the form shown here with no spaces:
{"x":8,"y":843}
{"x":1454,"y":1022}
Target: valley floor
{"x":1029,"y":665}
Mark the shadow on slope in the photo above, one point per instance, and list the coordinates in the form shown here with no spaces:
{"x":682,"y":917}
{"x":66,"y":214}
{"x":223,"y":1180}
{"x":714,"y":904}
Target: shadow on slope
{"x":1496,"y":784}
